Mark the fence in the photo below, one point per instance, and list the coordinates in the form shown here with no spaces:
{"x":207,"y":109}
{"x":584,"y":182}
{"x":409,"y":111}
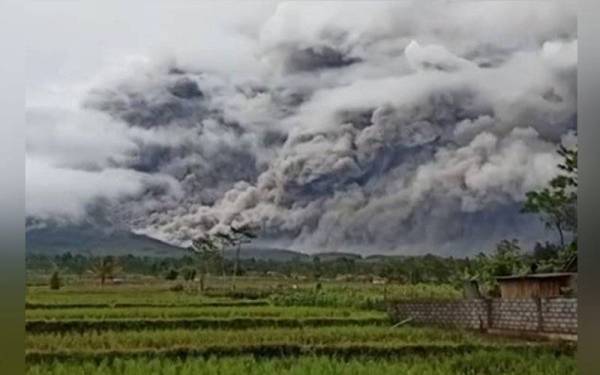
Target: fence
{"x":544,"y":315}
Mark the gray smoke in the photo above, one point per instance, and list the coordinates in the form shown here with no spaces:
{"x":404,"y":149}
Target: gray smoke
{"x":374,"y":127}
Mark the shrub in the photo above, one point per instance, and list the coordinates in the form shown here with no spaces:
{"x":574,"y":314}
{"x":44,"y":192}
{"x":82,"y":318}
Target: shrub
{"x":189,"y":274}
{"x":172,"y":275}
{"x":55,"y":282}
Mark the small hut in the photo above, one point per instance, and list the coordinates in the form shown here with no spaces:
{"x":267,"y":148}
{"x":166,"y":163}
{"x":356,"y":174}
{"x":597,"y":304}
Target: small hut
{"x":540,"y":285}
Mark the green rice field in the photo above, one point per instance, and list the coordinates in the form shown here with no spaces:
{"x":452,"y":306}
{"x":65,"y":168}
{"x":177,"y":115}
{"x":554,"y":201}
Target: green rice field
{"x":291,"y":329}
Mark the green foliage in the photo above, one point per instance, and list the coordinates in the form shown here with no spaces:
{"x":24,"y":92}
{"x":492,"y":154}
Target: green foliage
{"x":507,"y":259}
{"x":235,"y":237}
{"x":545,"y":252}
{"x":557,"y":203}
{"x":557,"y":262}
{"x":209,"y":251}
{"x":207,"y":259}
{"x":55,"y":282}
{"x":173,"y":274}
{"x":318,"y":271}
{"x":189,"y":274}
{"x":105,"y":268}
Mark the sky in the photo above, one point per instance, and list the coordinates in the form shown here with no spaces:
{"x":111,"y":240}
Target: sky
{"x":376,"y":127}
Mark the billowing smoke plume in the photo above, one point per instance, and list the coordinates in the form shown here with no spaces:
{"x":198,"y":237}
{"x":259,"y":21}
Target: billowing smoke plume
{"x":374,"y":127}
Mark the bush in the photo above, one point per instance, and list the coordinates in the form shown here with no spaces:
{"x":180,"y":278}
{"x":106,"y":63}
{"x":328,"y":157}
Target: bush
{"x":55,"y":282}
{"x":189,"y":274}
{"x":172,"y":275}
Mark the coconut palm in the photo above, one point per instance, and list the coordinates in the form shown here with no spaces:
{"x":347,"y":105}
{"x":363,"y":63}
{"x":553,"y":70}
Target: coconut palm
{"x":207,"y":249}
{"x":238,"y":236}
{"x":106,"y":268}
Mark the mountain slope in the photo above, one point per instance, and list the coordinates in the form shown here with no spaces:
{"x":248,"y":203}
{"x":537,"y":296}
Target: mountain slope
{"x":268,"y":253}
{"x":86,"y":239}
{"x":91,"y":240}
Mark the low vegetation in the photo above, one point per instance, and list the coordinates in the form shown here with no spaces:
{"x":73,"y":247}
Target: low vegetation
{"x":375,"y":336}
{"x":197,"y":312}
{"x":483,"y":362}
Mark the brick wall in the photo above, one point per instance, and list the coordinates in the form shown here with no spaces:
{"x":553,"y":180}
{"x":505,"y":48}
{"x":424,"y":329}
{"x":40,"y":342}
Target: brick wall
{"x":515,"y":314}
{"x":462,"y":313}
{"x":557,"y":315}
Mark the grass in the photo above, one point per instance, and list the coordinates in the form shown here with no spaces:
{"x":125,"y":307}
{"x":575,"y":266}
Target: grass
{"x":82,"y":325}
{"x":316,"y":336}
{"x":361,"y":295}
{"x":116,"y":294}
{"x":283,"y":292}
{"x":195,"y":312}
{"x":216,"y":303}
{"x":498,"y":362}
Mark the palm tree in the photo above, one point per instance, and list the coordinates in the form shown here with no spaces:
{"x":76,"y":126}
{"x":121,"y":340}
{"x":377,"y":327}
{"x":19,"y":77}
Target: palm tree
{"x":222,"y":240}
{"x":207,"y":249}
{"x":238,"y":236}
{"x":106,"y":268}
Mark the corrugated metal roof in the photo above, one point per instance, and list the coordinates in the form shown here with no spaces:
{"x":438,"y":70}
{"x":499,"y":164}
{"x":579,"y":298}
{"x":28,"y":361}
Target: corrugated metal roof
{"x":537,"y":276}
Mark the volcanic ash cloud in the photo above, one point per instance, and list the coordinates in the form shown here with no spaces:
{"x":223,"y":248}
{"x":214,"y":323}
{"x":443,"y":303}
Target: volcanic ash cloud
{"x":414,"y":128}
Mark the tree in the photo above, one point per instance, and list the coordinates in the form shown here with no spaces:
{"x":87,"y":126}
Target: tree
{"x":242,"y":235}
{"x":172,"y":275}
{"x":222,"y":240}
{"x":206,"y":248}
{"x":236,"y":237}
{"x":55,"y":281}
{"x":557,"y":203}
{"x":106,"y":268}
{"x":317,"y":271}
{"x":545,"y":252}
{"x":189,"y":274}
{"x":507,"y":259}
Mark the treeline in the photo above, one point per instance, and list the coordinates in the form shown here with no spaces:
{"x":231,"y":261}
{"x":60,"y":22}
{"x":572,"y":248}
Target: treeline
{"x":414,"y":269}
{"x":507,"y":259}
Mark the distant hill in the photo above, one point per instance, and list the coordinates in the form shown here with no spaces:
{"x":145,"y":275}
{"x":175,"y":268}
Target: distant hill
{"x":330,"y":256}
{"x":87,"y":239}
{"x":382,"y":258}
{"x":267,"y":253}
